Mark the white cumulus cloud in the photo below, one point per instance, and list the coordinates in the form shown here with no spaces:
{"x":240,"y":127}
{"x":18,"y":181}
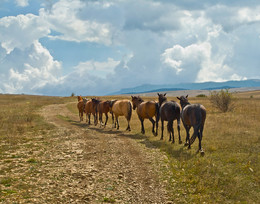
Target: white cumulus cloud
{"x":27,"y":72}
{"x":21,"y":31}
{"x":22,"y":3}
{"x":64,"y":19}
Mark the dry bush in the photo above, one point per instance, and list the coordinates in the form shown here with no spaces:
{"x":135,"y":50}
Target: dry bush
{"x":222,"y":100}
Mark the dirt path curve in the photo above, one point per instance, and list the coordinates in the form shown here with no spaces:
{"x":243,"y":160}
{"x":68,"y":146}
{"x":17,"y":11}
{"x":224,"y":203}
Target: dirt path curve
{"x":85,"y":164}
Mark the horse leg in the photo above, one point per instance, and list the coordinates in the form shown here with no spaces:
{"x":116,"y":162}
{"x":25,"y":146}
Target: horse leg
{"x":106,"y":119}
{"x":117,"y":123}
{"x":200,"y":149}
{"x":156,"y":123}
{"x":195,"y":133}
{"x":170,"y":130}
{"x":162,"y":129}
{"x":100,"y":119}
{"x":95,"y":119}
{"x":112,"y":117}
{"x":200,"y":139}
{"x":179,"y":130}
{"x":128,"y":126}
{"x":81,"y":116}
{"x":89,"y":118}
{"x":142,"y":125}
{"x":187,"y":143}
{"x":153,"y":122}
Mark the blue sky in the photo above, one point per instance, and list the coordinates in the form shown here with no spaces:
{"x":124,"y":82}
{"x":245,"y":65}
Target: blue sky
{"x":90,"y":47}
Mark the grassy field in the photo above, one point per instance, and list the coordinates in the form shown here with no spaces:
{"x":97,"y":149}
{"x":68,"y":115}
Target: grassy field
{"x":228,"y":173}
{"x":22,"y":133}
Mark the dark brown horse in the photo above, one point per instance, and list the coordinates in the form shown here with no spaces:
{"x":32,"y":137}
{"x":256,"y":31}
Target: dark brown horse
{"x":193,"y":115}
{"x":144,"y":110}
{"x":169,"y":111}
{"x":90,"y":108}
{"x":104,"y":107}
{"x":122,"y":108}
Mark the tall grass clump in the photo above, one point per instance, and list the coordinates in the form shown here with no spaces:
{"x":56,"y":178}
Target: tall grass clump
{"x":222,"y":100}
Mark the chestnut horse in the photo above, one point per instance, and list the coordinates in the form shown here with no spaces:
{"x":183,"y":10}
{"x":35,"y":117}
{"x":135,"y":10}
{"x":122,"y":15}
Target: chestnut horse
{"x":144,"y":110}
{"x":104,"y":107}
{"x":169,"y":111}
{"x":90,"y":108}
{"x":80,"y":106}
{"x":193,"y":115}
{"x":122,"y":108}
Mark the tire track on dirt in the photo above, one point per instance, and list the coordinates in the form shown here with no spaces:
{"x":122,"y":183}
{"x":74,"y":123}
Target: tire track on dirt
{"x":94,"y":166}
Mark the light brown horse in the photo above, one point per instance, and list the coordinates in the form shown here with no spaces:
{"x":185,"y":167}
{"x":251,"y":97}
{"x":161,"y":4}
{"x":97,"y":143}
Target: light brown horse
{"x":148,"y":109}
{"x":90,"y":108}
{"x":122,"y":108}
{"x":104,"y":107}
{"x":80,"y":106}
{"x":193,"y":115}
{"x":169,"y":111}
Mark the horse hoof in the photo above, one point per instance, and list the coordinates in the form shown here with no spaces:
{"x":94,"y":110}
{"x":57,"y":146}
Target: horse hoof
{"x":189,"y":147}
{"x":180,"y":142}
{"x":173,"y":142}
{"x":186,"y":144}
{"x":161,"y":138}
{"x":202,"y":153}
{"x":155,"y":134}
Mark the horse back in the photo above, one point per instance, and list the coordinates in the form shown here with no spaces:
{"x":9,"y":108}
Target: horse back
{"x":194,"y":114}
{"x":89,"y":107}
{"x":121,"y":107}
{"x":103,"y":107}
{"x":170,"y":110}
{"x":147,"y":109}
{"x":80,"y":105}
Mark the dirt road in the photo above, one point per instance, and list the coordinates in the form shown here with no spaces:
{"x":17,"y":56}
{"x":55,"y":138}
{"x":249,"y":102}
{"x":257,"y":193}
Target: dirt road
{"x":86,"y":164}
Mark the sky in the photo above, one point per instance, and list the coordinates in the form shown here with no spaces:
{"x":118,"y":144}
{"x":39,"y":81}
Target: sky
{"x":96,"y":47}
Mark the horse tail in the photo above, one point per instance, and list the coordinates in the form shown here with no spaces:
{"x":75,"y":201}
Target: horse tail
{"x":129,"y":114}
{"x":196,"y":127}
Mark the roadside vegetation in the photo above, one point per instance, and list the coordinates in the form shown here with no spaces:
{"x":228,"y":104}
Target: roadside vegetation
{"x":23,"y":135}
{"x":222,"y":100}
{"x":228,"y":173}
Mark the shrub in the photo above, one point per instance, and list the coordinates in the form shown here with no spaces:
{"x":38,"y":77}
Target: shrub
{"x":223,"y":100}
{"x":72,"y":94}
{"x":201,"y":95}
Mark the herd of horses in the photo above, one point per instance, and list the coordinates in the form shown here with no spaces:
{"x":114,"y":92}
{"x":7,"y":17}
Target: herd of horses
{"x":192,"y":115}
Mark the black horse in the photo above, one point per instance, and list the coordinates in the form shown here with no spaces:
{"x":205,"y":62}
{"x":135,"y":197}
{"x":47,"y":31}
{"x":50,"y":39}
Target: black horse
{"x":169,"y":111}
{"x":193,"y":115}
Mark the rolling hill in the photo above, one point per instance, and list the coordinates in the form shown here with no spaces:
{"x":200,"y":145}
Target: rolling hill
{"x":147,"y":88}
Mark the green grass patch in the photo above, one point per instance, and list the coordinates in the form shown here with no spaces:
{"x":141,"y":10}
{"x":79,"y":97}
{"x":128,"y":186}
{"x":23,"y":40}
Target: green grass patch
{"x":109,"y":200}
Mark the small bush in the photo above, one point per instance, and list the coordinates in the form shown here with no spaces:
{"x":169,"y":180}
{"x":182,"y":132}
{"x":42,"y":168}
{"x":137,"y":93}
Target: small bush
{"x":201,"y":96}
{"x":72,"y":94}
{"x":223,"y":100}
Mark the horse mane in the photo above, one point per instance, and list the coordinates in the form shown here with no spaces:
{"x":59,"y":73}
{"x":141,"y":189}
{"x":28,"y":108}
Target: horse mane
{"x":140,"y":99}
{"x":112,"y":102}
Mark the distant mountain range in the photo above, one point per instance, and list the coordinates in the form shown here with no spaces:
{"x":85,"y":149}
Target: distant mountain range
{"x":147,"y":88}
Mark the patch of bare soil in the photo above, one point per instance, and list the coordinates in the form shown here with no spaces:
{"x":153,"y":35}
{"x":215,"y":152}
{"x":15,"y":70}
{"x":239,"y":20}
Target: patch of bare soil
{"x":86,"y":164}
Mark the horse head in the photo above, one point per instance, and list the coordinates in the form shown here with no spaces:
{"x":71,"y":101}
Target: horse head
{"x":162,"y":98}
{"x":136,"y":100}
{"x":80,"y":98}
{"x":183,"y":101}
